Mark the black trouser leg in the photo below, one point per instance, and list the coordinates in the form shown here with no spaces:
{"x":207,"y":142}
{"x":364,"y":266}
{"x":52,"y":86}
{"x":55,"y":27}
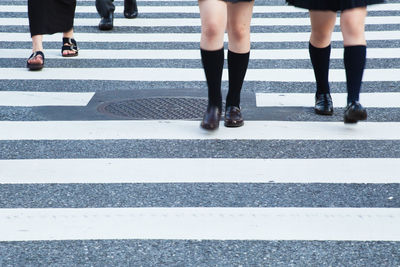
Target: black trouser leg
{"x":130,"y":9}
{"x":105,"y":7}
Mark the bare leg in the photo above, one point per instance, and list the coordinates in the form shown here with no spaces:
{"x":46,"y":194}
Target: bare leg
{"x":239,"y":18}
{"x":352,"y":23}
{"x":213,"y":14}
{"x":322,"y":24}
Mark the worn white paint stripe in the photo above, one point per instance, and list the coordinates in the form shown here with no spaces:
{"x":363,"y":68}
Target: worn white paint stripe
{"x":336,"y":53}
{"x":345,"y":224}
{"x":161,"y":9}
{"x":180,"y":22}
{"x":195,"y":9}
{"x":33,"y":99}
{"x":372,"y":100}
{"x":189,"y":37}
{"x":181,"y":74}
{"x":104,"y":171}
{"x":121,"y":1}
{"x":189,"y":130}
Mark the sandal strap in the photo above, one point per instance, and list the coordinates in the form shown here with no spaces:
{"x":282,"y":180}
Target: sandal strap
{"x":70,"y":48}
{"x":37,"y":53}
{"x":72,"y":45}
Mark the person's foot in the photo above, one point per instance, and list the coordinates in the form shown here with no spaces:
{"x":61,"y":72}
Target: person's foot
{"x":233,"y":117}
{"x":69,"y":48}
{"x":130,"y":9}
{"x":211,"y":118}
{"x":354,"y":112}
{"x":107,"y":23}
{"x":323,"y":104}
{"x":35,"y":61}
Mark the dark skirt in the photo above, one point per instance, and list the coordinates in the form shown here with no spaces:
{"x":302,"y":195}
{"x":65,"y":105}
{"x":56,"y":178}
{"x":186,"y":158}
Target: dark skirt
{"x":332,"y":5}
{"x":236,"y":1}
{"x":51,"y":16}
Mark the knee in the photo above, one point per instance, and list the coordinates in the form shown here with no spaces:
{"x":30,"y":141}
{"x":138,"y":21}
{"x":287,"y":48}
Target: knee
{"x":239,"y":33}
{"x":320,"y":38}
{"x":351,"y":30}
{"x":212,"y":30}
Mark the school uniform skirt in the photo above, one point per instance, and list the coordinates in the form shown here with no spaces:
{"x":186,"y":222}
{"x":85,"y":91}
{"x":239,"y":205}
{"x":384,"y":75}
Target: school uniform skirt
{"x":236,"y":1}
{"x":333,"y":5}
{"x":51,"y":16}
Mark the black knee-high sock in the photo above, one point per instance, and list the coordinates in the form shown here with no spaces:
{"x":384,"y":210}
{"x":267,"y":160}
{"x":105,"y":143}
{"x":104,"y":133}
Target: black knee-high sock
{"x":354,"y":63}
{"x":213,"y":64}
{"x":320,"y":60}
{"x":237,"y":65}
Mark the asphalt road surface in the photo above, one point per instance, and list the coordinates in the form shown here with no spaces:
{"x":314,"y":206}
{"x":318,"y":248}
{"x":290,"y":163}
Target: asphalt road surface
{"x":103,"y":162}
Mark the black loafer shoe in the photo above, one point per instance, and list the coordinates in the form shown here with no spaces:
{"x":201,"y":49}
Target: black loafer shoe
{"x":233,"y":117}
{"x":323,"y":104}
{"x":107,"y":23}
{"x":354,"y":112}
{"x":211,"y":118}
{"x":130,"y":9}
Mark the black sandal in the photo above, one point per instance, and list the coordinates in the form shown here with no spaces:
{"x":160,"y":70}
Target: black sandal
{"x":71,"y":46}
{"x":37,"y":66}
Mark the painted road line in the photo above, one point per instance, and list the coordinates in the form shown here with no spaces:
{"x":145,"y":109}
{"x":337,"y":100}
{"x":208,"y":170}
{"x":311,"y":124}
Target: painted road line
{"x":339,"y":224}
{"x":163,"y":9}
{"x":186,"y":75}
{"x":190,"y":37}
{"x":190,"y":22}
{"x":190,"y":130}
{"x":195,"y":9}
{"x":105,"y":171}
{"x":271,"y":54}
{"x":371,"y":100}
{"x":34,"y":99}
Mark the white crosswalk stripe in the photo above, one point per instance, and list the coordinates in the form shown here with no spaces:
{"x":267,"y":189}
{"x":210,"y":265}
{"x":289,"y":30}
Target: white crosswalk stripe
{"x":39,"y":171}
{"x":202,"y":223}
{"x":193,"y":37}
{"x":189,"y":130}
{"x":60,"y":106}
{"x":373,"y":53}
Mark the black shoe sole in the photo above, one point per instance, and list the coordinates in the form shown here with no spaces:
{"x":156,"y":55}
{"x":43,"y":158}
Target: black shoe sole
{"x":35,"y":67}
{"x":355,"y":117}
{"x":106,"y":27}
{"x":209,"y":127}
{"x":233,"y":124}
{"x":131,"y":15}
{"x":323,"y":112}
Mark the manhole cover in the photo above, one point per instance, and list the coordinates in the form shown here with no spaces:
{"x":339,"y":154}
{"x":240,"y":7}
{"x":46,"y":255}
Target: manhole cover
{"x":161,"y":108}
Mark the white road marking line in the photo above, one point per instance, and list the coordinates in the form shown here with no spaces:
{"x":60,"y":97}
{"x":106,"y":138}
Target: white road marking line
{"x":195,"y":9}
{"x":104,"y":171}
{"x":181,"y":74}
{"x":189,"y":37}
{"x":373,"y":100}
{"x":190,"y":130}
{"x":336,"y":53}
{"x":34,"y":99}
{"x":344,"y":224}
{"x":181,"y":22}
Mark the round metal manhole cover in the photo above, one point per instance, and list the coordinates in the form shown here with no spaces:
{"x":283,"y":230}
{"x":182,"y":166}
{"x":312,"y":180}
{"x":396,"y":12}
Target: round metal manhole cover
{"x":160,"y":108}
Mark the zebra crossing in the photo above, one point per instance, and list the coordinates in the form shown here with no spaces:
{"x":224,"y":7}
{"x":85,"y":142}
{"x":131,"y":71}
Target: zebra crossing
{"x":288,"y":188}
